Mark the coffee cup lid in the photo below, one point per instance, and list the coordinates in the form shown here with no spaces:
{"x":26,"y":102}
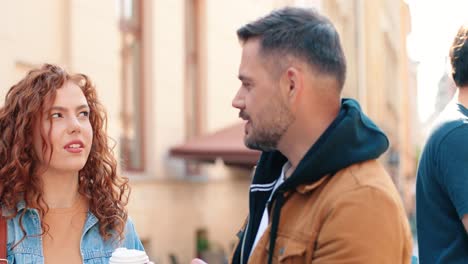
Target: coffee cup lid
{"x":123,"y":255}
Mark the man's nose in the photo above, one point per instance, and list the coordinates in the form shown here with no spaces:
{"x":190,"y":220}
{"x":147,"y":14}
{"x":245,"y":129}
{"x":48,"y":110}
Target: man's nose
{"x":238,"y":101}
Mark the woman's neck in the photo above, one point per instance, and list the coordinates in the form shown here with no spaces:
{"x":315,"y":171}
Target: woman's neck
{"x":60,"y":189}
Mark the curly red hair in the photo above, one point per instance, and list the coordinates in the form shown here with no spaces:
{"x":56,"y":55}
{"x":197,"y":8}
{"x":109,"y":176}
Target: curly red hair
{"x":106,"y":192}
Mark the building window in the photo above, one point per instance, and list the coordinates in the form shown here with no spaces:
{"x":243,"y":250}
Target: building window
{"x":132,"y":114}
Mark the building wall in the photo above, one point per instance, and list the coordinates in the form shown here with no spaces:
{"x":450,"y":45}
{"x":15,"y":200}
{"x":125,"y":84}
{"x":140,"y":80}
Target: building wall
{"x":342,"y":14}
{"x":167,"y":215}
{"x":410,"y":122}
{"x":92,"y":45}
{"x":27,"y":44}
{"x":165,"y":104}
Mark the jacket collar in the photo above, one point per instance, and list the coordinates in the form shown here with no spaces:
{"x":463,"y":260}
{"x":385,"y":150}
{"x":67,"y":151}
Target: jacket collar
{"x":20,"y":206}
{"x":307,"y":188}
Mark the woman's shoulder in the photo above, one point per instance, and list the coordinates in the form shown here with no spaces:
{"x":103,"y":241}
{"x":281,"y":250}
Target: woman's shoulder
{"x":25,"y":222}
{"x":132,"y":240}
{"x":27,"y":216}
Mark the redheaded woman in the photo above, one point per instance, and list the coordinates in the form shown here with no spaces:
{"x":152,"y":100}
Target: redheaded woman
{"x":58,"y":184}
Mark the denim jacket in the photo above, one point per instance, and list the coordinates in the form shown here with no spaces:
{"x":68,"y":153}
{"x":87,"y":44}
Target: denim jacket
{"x":94,"y":250}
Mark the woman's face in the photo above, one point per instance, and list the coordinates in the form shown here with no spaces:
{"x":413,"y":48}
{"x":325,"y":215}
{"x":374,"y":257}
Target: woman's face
{"x":71,"y":134}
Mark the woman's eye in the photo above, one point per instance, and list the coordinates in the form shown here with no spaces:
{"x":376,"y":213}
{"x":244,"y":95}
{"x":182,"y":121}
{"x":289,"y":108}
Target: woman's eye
{"x":84,"y":113}
{"x":56,"y":115}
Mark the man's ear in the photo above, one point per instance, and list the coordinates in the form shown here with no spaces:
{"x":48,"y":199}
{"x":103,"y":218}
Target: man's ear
{"x":293,"y":82}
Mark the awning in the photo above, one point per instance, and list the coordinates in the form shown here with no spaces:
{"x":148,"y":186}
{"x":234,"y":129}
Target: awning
{"x":226,"y":144}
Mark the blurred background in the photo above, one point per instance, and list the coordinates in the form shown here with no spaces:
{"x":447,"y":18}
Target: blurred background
{"x":166,"y":70}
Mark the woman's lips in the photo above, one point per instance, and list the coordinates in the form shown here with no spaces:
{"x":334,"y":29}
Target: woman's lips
{"x":75,"y":146}
{"x":74,"y":150}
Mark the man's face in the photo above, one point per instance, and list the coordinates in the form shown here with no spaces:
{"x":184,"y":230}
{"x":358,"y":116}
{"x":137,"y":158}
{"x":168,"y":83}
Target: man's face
{"x":260,"y":101}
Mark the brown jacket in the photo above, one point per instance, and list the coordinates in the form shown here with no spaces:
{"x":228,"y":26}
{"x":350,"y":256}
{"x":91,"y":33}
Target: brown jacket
{"x":356,"y":216}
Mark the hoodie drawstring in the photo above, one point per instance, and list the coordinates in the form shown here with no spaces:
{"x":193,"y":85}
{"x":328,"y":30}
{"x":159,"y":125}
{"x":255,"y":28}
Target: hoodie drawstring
{"x":275,"y":224}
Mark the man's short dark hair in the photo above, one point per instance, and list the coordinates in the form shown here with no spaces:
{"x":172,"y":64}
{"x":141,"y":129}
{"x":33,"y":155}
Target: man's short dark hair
{"x":302,"y":33}
{"x":459,"y":57}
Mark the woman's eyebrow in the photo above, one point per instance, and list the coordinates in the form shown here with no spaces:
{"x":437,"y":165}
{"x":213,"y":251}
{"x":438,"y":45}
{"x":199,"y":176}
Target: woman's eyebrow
{"x":64,"y":109}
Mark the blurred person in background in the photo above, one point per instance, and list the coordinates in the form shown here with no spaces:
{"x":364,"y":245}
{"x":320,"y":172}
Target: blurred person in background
{"x":442,"y":180}
{"x":59,"y":191}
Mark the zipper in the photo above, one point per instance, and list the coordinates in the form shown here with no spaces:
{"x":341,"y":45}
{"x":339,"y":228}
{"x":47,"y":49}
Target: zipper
{"x":243,"y":243}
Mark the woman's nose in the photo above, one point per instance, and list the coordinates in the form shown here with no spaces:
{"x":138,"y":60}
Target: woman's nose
{"x":74,"y":125}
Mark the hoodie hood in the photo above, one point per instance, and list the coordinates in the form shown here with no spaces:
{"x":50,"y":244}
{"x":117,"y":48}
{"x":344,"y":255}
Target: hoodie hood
{"x":351,"y":138}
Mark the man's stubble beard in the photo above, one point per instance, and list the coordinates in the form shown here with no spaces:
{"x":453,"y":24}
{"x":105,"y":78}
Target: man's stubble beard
{"x":266,"y":136}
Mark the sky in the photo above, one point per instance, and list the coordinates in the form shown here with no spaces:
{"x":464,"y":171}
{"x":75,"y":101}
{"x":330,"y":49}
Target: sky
{"x":434,"y":25}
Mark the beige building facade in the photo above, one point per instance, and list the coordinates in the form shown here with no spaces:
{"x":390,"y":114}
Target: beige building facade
{"x":167,"y":70}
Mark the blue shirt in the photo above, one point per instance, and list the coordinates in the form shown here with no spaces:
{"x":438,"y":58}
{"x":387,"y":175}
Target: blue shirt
{"x":94,"y":250}
{"x":442,"y":190}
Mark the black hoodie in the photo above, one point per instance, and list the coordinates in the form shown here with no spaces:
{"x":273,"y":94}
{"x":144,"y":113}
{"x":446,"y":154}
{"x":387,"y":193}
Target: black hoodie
{"x":351,"y":138}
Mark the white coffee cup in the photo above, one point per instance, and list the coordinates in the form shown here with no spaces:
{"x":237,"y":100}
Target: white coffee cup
{"x":129,"y":256}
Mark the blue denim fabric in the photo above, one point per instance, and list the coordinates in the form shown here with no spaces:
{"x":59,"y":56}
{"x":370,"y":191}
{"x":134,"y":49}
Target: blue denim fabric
{"x":94,"y":250}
